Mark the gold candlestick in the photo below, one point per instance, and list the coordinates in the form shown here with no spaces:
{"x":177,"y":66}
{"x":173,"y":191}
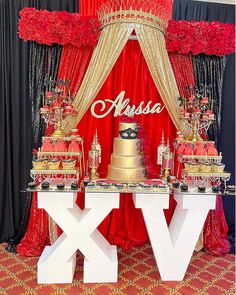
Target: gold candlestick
{"x":194,"y":135}
{"x":58,"y":131}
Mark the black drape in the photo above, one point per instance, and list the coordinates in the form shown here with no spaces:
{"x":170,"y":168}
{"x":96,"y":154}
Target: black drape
{"x":16,"y":112}
{"x":43,"y":65}
{"x":209,"y":70}
{"x":225,"y":13}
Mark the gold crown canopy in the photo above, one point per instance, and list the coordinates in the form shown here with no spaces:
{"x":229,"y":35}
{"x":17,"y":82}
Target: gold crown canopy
{"x":144,"y":12}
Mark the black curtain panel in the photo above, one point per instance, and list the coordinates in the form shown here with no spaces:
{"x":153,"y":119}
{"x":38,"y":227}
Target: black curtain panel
{"x":209,"y":70}
{"x":43,"y":66}
{"x":224,"y":13}
{"x":19,"y":88}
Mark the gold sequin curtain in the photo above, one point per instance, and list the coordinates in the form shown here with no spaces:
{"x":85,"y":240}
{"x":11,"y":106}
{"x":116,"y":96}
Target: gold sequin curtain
{"x":152,"y":43}
{"x":111,"y":42}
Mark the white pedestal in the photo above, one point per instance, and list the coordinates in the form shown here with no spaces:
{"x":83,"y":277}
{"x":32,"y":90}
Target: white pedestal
{"x":174,"y":246}
{"x":57,"y":262}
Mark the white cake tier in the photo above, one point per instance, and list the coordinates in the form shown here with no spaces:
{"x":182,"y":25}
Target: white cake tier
{"x":126,"y":147}
{"x":126,"y":174}
{"x":126,"y":161}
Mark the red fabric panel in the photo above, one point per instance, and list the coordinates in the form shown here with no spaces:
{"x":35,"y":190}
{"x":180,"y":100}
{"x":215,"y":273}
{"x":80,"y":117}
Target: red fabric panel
{"x":90,"y":7}
{"x":35,"y":238}
{"x":215,"y":231}
{"x":73,"y":65}
{"x":183,"y":70}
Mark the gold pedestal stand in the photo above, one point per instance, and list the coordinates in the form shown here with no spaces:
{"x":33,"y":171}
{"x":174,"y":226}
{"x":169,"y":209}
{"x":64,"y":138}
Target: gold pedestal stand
{"x":93,"y":162}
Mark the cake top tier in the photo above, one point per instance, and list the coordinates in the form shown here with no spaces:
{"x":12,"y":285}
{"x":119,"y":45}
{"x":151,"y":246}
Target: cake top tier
{"x":128,"y":130}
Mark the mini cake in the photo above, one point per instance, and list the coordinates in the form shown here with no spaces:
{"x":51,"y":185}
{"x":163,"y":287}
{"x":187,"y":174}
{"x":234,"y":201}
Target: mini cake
{"x":45,"y":185}
{"x":31,"y":185}
{"x":60,"y":186}
{"x":74,"y":186}
{"x":184,"y":188}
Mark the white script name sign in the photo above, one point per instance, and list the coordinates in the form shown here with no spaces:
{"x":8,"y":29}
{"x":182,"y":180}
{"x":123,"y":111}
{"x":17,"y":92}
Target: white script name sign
{"x":121,"y":107}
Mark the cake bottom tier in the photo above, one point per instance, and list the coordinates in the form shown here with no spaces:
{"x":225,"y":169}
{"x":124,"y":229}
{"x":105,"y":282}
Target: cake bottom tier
{"x":126,"y":174}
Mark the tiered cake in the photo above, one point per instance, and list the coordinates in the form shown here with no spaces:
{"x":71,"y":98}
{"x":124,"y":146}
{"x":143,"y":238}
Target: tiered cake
{"x":126,"y":160}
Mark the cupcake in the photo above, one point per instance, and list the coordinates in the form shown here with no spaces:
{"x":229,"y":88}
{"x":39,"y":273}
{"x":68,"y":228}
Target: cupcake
{"x":220,"y":167}
{"x":31,"y":185}
{"x":86,"y":180}
{"x":201,"y":189}
{"x":68,"y":164}
{"x":60,"y":186}
{"x":231,"y":189}
{"x":216,"y":189}
{"x":105,"y":185}
{"x":146,"y":186}
{"x":132,"y":186}
{"x":74,"y":186}
{"x":45,"y":185}
{"x":184,"y":188}
{"x":119,"y":185}
{"x":54,"y":164}
{"x":176,"y":184}
{"x":40,"y":164}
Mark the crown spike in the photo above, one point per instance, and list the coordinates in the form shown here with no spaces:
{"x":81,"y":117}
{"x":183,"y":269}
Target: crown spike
{"x":135,"y":11}
{"x":162,"y":137}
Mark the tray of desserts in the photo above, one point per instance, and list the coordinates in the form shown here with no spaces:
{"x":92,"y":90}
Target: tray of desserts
{"x":147,"y":186}
{"x":200,"y":158}
{"x":59,"y":154}
{"x":209,"y":174}
{"x":46,"y":186}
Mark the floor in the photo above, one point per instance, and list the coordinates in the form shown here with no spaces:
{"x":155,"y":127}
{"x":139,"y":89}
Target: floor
{"x":137,"y":275}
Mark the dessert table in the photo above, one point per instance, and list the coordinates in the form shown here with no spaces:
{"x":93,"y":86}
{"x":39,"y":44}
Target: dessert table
{"x":172,"y":247}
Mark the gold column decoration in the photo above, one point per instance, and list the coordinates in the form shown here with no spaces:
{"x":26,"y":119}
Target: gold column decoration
{"x":111,"y":42}
{"x":167,"y":162}
{"x":97,"y":146}
{"x":152,"y":43}
{"x":93,"y":162}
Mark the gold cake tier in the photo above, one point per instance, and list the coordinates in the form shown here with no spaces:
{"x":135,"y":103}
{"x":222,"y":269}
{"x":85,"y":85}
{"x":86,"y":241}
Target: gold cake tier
{"x":126,"y":147}
{"x":123,"y":126}
{"x":126,"y":161}
{"x":126,"y":174}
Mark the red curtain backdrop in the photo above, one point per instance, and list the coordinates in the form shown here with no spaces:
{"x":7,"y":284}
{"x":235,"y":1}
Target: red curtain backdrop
{"x":125,"y":226}
{"x":36,"y":236}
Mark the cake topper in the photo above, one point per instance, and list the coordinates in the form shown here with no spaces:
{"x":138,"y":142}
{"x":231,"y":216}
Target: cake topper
{"x":128,"y":134}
